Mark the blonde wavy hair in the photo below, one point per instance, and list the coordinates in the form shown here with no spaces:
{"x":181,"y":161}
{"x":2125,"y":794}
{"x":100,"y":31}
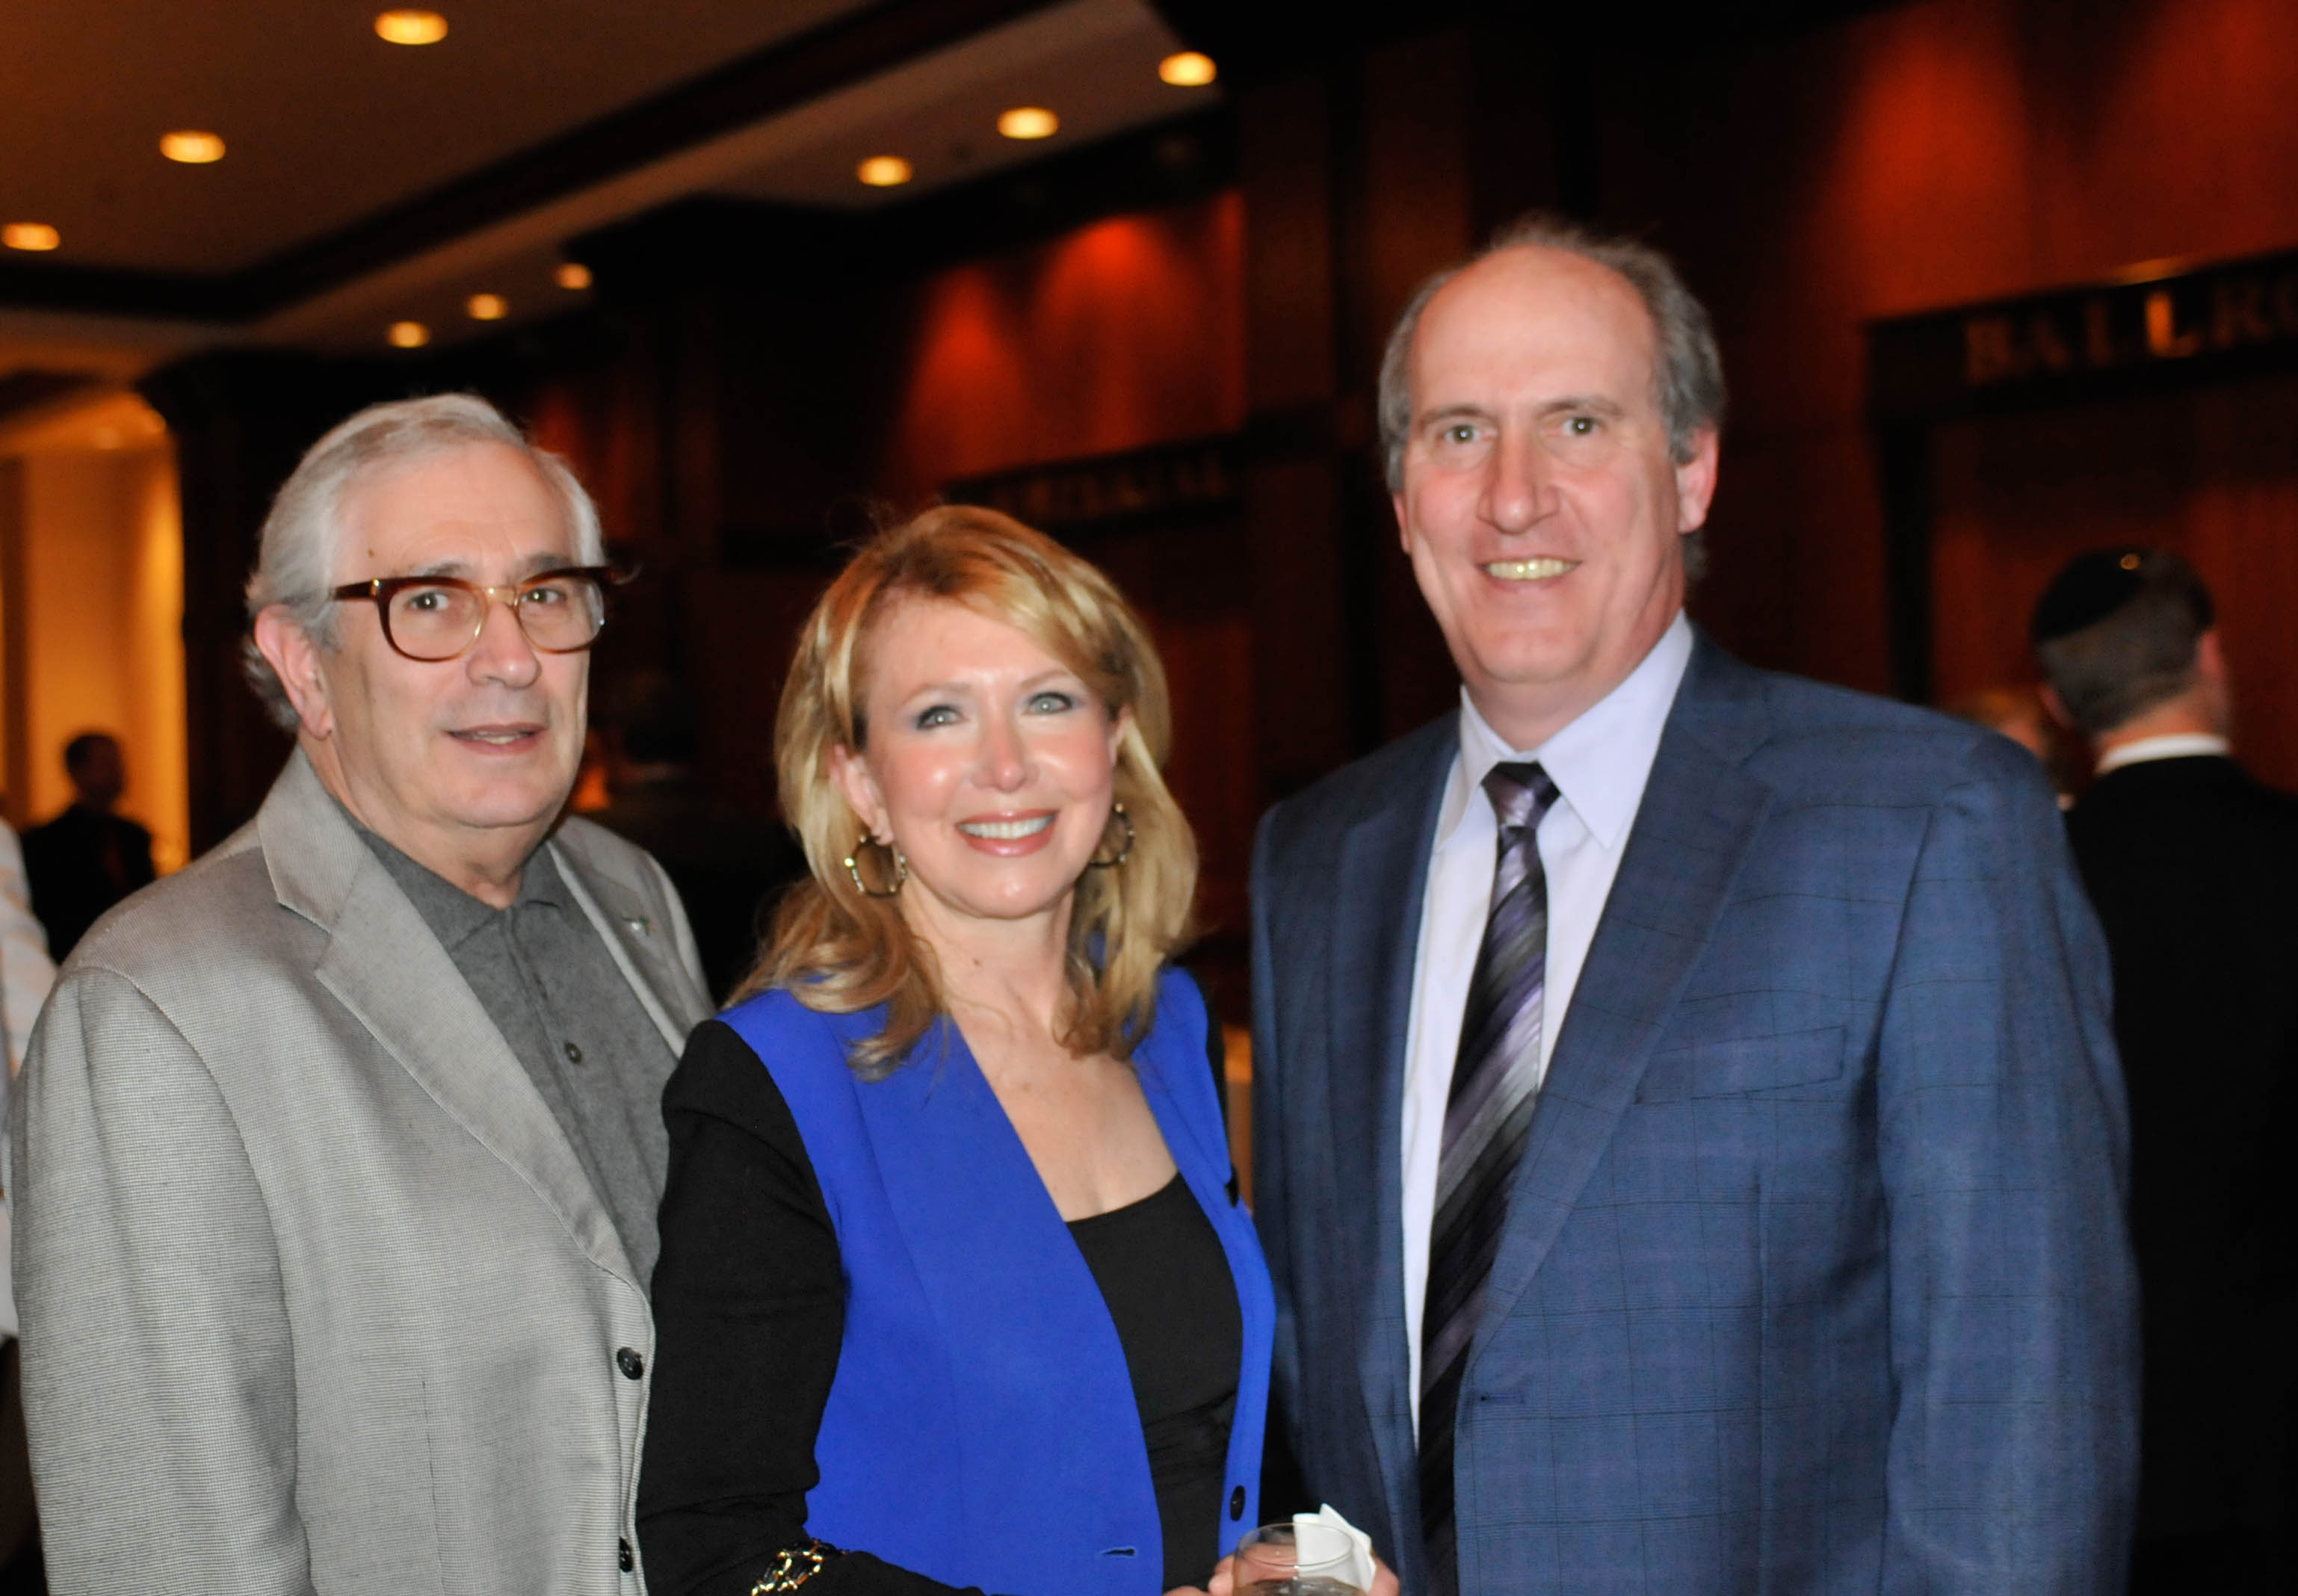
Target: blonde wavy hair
{"x":838,"y":951}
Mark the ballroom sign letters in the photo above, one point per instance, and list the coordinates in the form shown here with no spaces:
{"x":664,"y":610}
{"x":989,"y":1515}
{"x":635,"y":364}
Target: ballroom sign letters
{"x":1168,"y":483}
{"x":2158,"y":322}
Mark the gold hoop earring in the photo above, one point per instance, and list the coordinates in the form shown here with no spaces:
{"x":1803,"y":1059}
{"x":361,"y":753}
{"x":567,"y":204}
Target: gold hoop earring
{"x":901,"y":870}
{"x":1124,"y":853}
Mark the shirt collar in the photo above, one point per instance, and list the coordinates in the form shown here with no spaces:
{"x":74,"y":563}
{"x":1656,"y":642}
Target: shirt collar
{"x":2172,"y":745}
{"x":1600,"y":761}
{"x":454,"y":915}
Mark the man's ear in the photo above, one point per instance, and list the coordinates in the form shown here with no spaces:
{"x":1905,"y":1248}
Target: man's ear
{"x":1695,"y":481}
{"x":1404,"y":528}
{"x":2210,"y":658}
{"x":294,"y":659}
{"x":859,"y":789}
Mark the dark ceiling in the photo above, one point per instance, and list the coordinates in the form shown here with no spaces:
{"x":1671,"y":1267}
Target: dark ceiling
{"x":365,"y":182}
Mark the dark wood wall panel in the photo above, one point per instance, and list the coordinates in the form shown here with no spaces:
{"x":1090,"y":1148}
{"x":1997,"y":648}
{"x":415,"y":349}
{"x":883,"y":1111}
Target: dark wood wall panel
{"x":1926,"y":155}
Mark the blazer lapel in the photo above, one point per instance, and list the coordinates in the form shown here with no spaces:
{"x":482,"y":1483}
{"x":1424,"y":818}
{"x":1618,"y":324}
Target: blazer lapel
{"x":1699,"y":815}
{"x":386,"y":967}
{"x":1380,"y":885}
{"x":641,"y":945}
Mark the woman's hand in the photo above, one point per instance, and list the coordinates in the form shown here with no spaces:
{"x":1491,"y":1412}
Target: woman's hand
{"x":1224,"y":1583}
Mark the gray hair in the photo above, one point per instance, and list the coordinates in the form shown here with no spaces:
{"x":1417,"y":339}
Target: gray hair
{"x":2139,"y":655}
{"x":296,"y":566}
{"x":1689,"y":371}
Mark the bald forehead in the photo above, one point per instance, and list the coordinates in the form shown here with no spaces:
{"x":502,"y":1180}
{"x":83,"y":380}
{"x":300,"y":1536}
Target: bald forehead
{"x":1532,"y":293}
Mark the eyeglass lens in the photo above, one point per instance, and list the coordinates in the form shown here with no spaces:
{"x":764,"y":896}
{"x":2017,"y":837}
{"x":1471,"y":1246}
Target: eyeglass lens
{"x":440,"y":620}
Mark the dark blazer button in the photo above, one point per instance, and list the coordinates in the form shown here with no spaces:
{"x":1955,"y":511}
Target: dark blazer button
{"x":630,"y":1363}
{"x":623,"y":1559}
{"x":1236,"y":1503}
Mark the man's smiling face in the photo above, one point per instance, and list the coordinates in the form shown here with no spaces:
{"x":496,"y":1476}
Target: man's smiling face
{"x":431,"y":752}
{"x":1542,"y":513}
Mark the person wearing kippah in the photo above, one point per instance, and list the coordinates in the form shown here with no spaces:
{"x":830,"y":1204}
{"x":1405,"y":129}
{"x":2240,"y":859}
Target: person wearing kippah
{"x":2192,"y":865}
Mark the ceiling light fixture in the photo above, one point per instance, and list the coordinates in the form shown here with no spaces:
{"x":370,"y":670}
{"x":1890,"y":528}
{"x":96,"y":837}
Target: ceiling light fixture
{"x":884,"y":171}
{"x":190,"y":147}
{"x":1190,"y":69}
{"x":411,"y":26}
{"x":487,"y":307}
{"x":572,"y":274}
{"x":30,"y":235}
{"x":408,"y":334}
{"x":1028,"y":121}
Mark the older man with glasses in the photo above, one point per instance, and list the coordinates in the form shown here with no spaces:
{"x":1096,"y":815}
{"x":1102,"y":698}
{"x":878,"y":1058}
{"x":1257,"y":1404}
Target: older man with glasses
{"x":338,"y":1152}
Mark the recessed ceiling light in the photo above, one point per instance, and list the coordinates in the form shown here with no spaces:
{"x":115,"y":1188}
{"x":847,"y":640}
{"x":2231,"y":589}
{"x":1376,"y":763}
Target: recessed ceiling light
{"x":408,"y":334}
{"x":572,"y":274}
{"x":487,"y":307}
{"x":191,"y":148}
{"x":884,"y":171}
{"x":30,"y":235}
{"x":1188,"y":69}
{"x":411,"y":26}
{"x":1028,"y":121}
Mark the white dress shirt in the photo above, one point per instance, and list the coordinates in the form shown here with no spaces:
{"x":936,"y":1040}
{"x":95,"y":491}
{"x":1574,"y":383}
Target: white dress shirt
{"x":2171,"y":745}
{"x":1599,"y":763}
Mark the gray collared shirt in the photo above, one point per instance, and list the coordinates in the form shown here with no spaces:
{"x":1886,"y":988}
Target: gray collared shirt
{"x":545,"y":978}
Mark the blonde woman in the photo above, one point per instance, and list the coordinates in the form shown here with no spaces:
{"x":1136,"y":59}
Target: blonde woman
{"x":954,"y":1288}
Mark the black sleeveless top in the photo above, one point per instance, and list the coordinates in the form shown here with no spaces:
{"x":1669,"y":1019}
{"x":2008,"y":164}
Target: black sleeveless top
{"x":1161,"y":1271}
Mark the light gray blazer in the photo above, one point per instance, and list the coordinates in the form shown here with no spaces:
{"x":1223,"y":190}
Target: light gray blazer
{"x":316,"y":1296}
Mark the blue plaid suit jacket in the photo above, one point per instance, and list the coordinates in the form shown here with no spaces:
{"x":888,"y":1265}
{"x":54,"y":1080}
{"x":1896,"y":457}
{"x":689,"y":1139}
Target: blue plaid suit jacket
{"x":1817,"y":1277}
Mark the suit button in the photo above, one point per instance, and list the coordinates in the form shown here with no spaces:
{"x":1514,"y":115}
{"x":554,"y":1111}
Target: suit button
{"x":573,"y":1054}
{"x":630,"y":1363}
{"x":1236,"y":1503}
{"x":622,"y":1557}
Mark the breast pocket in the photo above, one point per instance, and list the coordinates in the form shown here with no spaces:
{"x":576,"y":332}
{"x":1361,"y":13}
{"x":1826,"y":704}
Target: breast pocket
{"x":1744,"y":1064}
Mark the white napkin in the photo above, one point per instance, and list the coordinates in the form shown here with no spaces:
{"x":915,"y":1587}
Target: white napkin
{"x":1315,"y":1533}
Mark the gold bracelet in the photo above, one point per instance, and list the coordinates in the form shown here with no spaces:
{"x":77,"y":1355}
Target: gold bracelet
{"x":793,"y":1565}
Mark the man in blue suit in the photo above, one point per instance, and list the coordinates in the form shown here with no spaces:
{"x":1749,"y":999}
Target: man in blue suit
{"x":1690,"y":1145}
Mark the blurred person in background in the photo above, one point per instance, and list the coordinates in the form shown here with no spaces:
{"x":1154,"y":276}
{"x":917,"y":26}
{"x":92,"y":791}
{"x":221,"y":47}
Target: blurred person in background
{"x":2192,"y":864}
{"x":87,"y":859}
{"x":727,"y":866}
{"x":955,"y":1287}
{"x":26,"y":974}
{"x":338,"y":1151}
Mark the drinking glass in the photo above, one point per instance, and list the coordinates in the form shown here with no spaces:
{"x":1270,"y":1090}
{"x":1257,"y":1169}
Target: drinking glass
{"x":1288,"y":1560}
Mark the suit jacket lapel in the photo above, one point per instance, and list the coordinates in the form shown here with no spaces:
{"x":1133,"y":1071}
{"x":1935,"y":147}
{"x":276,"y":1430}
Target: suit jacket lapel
{"x":1699,"y":815}
{"x":384,"y":964}
{"x":1379,"y":888}
{"x":643,"y":948}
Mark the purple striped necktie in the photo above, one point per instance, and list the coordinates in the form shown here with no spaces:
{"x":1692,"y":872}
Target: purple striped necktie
{"x":1495,"y":1078}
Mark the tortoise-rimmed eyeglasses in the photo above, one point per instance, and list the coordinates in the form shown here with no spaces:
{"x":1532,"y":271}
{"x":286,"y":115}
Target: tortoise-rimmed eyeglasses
{"x":435,"y":618}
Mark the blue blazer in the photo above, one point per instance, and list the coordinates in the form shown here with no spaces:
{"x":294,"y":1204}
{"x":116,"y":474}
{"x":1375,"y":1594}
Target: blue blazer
{"x":1815,"y":1277}
{"x":981,"y":1427}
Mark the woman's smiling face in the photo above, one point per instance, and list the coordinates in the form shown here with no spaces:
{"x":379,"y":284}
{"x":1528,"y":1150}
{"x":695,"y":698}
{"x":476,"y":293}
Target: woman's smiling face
{"x":988,"y":761}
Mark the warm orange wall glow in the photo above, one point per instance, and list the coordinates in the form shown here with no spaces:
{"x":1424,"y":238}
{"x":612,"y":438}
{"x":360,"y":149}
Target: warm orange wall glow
{"x":1919,"y":156}
{"x":103,"y":613}
{"x":1126,"y":333}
